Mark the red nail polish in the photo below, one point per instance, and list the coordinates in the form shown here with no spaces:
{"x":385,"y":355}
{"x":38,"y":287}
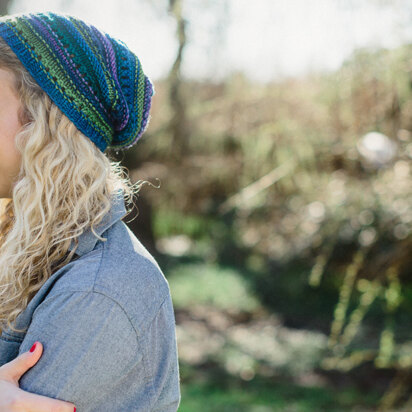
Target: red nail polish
{"x":33,"y":347}
{"x":74,"y":409}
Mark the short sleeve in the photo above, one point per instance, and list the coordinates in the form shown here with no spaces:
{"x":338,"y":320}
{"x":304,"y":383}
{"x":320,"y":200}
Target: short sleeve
{"x":90,"y":351}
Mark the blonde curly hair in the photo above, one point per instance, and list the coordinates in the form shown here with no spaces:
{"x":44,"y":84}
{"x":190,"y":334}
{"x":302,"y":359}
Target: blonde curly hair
{"x":64,"y":185}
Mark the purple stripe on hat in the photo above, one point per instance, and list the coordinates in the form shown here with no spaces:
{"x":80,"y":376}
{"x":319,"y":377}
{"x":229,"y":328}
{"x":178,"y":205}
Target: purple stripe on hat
{"x":108,"y":48}
{"x":68,"y":60}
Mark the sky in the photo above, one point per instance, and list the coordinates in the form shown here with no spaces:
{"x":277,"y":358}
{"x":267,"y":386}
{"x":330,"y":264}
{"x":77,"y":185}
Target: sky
{"x":265,"y":39}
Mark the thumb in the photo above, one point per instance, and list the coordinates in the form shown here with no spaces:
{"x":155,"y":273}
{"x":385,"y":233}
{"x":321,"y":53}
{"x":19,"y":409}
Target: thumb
{"x":14,"y":369}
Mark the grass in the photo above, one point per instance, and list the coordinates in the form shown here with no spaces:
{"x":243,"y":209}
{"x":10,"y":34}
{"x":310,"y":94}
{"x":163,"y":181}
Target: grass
{"x":261,"y":395}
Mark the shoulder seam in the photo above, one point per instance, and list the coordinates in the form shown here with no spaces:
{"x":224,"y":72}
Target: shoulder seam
{"x":154,"y":264}
{"x":121,"y":307}
{"x":138,"y":335}
{"x":65,"y":291}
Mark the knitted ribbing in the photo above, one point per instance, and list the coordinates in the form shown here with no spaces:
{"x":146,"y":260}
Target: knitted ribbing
{"x":94,"y":78}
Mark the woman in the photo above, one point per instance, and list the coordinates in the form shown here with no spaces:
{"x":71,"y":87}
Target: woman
{"x":74,"y":280}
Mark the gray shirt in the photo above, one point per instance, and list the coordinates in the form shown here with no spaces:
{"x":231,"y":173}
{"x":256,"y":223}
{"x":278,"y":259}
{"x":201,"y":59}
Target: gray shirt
{"x":107,"y":325}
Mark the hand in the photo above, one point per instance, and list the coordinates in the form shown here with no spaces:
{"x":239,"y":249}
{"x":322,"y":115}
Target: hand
{"x":14,"y":399}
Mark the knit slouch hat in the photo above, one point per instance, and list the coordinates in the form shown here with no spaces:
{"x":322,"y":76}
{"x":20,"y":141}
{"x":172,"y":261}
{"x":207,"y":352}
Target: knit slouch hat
{"x":95,"y":79}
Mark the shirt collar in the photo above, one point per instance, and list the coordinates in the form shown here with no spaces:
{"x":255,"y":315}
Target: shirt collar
{"x":87,"y":240}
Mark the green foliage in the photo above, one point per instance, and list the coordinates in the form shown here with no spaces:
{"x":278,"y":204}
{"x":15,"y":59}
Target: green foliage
{"x":210,"y":284}
{"x":168,"y":222}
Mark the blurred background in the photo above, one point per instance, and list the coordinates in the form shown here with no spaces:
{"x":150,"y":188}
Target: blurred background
{"x":280,"y":211}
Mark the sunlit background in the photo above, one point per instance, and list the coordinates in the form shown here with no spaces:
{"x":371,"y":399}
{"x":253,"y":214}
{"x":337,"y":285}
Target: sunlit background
{"x":266,"y":39}
{"x":281,"y":142}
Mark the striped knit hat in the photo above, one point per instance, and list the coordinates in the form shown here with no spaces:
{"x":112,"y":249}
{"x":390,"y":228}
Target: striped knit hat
{"x":95,"y":79}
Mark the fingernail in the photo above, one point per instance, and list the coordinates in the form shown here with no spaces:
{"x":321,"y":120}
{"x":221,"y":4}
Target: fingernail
{"x":74,"y":409}
{"x":33,"y":347}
